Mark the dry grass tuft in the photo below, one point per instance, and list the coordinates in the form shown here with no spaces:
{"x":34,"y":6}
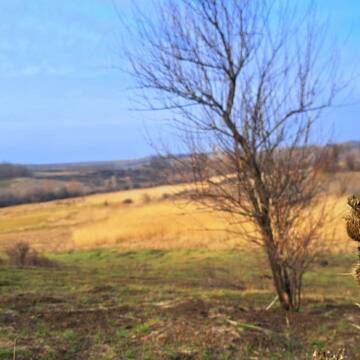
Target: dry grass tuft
{"x":353,"y":218}
{"x":353,"y":228}
{"x":353,"y":225}
{"x":328,"y":355}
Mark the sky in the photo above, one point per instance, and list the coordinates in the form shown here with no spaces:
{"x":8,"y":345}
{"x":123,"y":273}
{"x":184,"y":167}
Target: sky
{"x":63,"y":99}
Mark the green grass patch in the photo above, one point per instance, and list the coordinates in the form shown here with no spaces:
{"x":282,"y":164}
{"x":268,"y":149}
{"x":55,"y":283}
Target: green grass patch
{"x":152,"y":303}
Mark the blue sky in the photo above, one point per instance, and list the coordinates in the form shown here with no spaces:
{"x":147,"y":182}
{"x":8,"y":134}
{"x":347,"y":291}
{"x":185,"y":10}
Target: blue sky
{"x":62,"y":100}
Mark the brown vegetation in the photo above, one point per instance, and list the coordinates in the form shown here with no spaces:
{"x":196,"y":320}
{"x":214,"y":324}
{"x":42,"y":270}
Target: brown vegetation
{"x":146,"y":198}
{"x":353,"y":228}
{"x":22,"y":255}
{"x":128,"y":201}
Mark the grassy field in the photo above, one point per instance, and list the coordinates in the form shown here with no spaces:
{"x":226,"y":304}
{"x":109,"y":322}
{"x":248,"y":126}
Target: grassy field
{"x":105,"y":221}
{"x":179,"y":304}
{"x":151,"y":220}
{"x":158,"y":278}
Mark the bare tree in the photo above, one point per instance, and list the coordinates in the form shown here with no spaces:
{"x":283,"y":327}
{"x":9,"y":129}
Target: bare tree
{"x":245,"y":82}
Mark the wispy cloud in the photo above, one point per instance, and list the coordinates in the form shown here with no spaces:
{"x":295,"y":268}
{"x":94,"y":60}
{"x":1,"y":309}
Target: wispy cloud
{"x":36,"y":70}
{"x":50,"y":39}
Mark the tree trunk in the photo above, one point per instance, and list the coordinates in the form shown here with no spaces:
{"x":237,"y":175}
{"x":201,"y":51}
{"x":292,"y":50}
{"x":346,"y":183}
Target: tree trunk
{"x":285,"y":283}
{"x":281,"y":285}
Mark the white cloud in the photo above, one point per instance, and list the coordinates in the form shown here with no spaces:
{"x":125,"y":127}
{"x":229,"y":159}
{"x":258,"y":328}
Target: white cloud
{"x":35,"y":70}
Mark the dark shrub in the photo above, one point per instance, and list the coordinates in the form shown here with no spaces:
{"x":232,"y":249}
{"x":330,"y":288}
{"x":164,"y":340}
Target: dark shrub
{"x":22,"y":255}
{"x":128,"y":201}
{"x":166,"y":196}
{"x":18,"y":254}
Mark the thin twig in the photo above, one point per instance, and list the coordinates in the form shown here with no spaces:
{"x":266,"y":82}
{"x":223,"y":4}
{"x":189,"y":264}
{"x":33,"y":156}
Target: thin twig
{"x":273,"y":302}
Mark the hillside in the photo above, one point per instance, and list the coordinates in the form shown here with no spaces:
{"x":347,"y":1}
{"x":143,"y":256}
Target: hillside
{"x":143,"y":274}
{"x":154,"y":218}
{"x":39,"y":183}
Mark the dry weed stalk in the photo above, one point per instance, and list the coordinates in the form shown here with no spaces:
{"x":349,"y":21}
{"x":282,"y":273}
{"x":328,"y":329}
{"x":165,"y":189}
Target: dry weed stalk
{"x":353,"y":228}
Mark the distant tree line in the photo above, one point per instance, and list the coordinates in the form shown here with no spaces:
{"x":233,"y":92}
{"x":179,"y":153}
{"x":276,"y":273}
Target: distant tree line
{"x":44,"y":187}
{"x":38,"y":195}
{"x":158,"y":170}
{"x":342,"y":157}
{"x":11,"y":171}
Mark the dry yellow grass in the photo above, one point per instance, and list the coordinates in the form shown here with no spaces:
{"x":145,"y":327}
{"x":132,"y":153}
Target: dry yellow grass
{"x":105,"y":221}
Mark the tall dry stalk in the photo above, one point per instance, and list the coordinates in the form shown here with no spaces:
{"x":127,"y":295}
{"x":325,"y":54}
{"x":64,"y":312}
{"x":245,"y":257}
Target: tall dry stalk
{"x":353,"y":228}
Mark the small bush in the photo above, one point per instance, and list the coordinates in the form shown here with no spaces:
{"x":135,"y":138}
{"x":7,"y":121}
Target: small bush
{"x":22,"y":255}
{"x":166,"y":196}
{"x":146,"y":198}
{"x":18,"y":254}
{"x":128,"y":201}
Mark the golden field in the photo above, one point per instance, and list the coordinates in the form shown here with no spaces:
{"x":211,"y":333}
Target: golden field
{"x":150,"y":221}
